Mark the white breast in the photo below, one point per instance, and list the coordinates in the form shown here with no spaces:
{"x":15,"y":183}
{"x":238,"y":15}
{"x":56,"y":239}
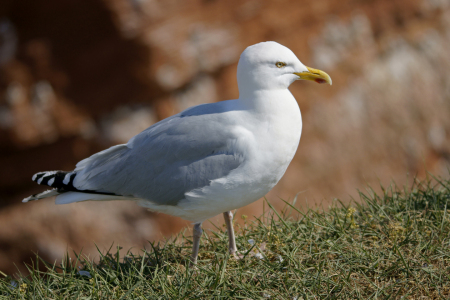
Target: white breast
{"x":278,"y":137}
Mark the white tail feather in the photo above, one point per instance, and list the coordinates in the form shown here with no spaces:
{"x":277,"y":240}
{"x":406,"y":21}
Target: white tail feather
{"x":48,"y":193}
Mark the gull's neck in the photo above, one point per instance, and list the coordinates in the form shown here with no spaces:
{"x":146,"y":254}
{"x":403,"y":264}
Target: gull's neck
{"x":271,"y":101}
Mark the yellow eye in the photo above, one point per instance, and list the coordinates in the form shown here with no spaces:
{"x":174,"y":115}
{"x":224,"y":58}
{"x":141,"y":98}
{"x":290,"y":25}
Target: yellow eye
{"x":280,"y":64}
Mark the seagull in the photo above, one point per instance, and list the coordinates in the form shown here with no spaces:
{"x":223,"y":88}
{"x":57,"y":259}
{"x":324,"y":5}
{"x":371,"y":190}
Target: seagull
{"x":207,"y":160}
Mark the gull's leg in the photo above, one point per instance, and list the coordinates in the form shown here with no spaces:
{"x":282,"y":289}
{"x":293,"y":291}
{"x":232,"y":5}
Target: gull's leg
{"x":228,"y":216}
{"x":196,"y":235}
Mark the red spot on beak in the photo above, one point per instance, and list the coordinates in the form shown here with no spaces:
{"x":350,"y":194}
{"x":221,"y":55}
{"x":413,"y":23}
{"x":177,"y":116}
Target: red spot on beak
{"x":320,"y":80}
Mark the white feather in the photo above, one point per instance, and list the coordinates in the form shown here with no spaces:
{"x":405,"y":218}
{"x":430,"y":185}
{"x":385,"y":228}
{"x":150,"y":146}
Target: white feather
{"x":67,"y":178}
{"x":72,"y":197}
{"x":48,"y":193}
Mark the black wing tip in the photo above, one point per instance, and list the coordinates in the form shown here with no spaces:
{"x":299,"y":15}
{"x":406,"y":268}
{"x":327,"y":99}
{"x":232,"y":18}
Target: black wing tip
{"x":62,"y":181}
{"x":56,"y":179}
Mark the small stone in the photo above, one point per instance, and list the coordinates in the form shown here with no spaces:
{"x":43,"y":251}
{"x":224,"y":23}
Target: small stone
{"x":84,"y":273}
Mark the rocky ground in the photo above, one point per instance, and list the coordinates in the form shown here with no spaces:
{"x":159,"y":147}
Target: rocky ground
{"x":79,"y":76}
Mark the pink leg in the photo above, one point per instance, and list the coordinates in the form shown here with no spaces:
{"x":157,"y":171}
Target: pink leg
{"x":228,"y":216}
{"x":197,"y":234}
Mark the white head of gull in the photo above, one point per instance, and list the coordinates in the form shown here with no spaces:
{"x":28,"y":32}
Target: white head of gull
{"x":208,"y":159}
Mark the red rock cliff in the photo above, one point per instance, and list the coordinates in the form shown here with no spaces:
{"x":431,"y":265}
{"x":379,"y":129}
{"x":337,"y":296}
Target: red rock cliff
{"x":79,"y":76}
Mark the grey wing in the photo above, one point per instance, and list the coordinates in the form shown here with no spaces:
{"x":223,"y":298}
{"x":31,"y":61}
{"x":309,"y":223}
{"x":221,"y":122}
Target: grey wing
{"x":164,"y":162}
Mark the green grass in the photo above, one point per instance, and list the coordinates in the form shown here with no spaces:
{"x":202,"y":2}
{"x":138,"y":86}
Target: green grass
{"x":393,"y":245}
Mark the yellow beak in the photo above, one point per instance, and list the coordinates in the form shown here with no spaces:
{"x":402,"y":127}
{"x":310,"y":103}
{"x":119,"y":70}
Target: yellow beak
{"x":314,"y":75}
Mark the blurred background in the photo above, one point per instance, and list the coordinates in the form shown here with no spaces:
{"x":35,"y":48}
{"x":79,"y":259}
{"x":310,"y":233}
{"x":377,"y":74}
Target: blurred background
{"x":77,"y":76}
